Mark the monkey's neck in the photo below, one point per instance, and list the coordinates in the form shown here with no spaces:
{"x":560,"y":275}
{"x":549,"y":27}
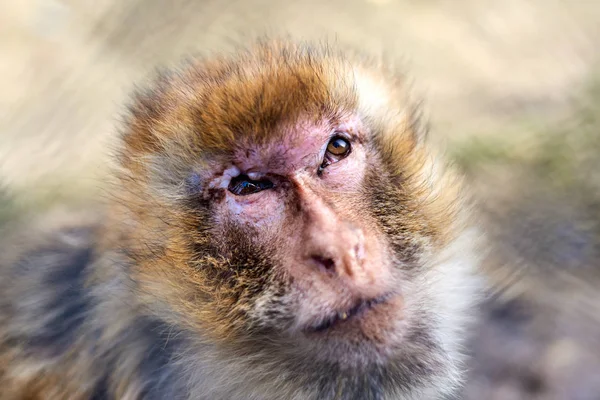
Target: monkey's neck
{"x":158,"y":358}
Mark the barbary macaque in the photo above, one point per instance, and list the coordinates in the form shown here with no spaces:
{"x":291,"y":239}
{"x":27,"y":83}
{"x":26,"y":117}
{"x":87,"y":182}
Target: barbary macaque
{"x":280,"y":228}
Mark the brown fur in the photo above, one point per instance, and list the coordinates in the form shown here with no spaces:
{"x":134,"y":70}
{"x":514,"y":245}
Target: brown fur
{"x":161,"y":290}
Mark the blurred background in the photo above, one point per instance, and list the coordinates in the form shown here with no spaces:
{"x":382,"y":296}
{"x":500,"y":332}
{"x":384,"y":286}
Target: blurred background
{"x":512,"y":87}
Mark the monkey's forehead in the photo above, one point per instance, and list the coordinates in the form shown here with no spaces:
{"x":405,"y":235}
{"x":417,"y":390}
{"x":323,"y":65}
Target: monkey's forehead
{"x":218,"y":101}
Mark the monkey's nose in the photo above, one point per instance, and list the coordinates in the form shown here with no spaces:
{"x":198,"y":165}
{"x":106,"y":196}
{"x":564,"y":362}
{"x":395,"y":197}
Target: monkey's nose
{"x":331,"y":243}
{"x":342,"y":252}
{"x":325,"y":262}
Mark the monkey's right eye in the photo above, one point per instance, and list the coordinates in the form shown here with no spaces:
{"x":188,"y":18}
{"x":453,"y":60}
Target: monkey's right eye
{"x":242,"y":185}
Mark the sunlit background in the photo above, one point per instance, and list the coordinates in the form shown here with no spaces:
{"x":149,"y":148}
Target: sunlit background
{"x":511,"y":86}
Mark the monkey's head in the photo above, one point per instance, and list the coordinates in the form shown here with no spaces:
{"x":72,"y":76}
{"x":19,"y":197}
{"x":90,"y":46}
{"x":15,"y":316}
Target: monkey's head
{"x":284,"y":207}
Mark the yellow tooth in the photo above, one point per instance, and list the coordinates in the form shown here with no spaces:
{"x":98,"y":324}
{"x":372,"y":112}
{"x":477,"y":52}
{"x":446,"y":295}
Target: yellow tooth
{"x":344,"y":315}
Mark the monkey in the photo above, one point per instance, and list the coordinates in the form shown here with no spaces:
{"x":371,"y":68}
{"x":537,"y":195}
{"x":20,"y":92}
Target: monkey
{"x":280,"y":226}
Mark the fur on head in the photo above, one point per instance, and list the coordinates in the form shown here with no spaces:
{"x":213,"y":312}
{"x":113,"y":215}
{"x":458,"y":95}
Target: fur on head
{"x":260,"y":282}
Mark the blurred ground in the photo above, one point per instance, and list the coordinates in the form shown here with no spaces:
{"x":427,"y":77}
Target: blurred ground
{"x":511,"y":85}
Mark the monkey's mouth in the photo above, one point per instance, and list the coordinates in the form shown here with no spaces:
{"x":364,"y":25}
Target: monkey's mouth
{"x":340,"y":317}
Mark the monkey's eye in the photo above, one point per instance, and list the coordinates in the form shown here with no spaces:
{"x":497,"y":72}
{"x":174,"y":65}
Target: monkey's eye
{"x":242,"y":185}
{"x":338,"y":148}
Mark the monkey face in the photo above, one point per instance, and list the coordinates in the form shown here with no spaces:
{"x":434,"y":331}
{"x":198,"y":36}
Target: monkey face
{"x":305,"y":217}
{"x":307,"y":194}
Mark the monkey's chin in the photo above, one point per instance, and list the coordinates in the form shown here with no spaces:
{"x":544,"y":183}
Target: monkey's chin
{"x":363,"y":334}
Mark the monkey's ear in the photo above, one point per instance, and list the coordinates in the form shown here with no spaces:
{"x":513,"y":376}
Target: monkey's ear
{"x":418,"y":122}
{"x":147,"y":107}
{"x":160,"y":118}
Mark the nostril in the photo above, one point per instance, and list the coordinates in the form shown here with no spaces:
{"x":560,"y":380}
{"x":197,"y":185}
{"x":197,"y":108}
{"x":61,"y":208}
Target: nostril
{"x":325,"y":262}
{"x":358,"y":251}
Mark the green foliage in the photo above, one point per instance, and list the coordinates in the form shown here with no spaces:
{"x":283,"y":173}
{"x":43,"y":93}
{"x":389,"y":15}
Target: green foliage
{"x":565,"y":157}
{"x":7,"y":205}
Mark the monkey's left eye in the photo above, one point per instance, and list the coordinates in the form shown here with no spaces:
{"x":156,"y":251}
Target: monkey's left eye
{"x":338,"y":148}
{"x":242,"y":185}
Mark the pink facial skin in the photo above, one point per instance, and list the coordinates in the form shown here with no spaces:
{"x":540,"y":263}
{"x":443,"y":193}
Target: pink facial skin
{"x":333,"y":248}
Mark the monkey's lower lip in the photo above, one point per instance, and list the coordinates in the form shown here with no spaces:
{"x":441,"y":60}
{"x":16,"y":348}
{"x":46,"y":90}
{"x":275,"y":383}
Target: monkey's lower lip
{"x":339,"y":317}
